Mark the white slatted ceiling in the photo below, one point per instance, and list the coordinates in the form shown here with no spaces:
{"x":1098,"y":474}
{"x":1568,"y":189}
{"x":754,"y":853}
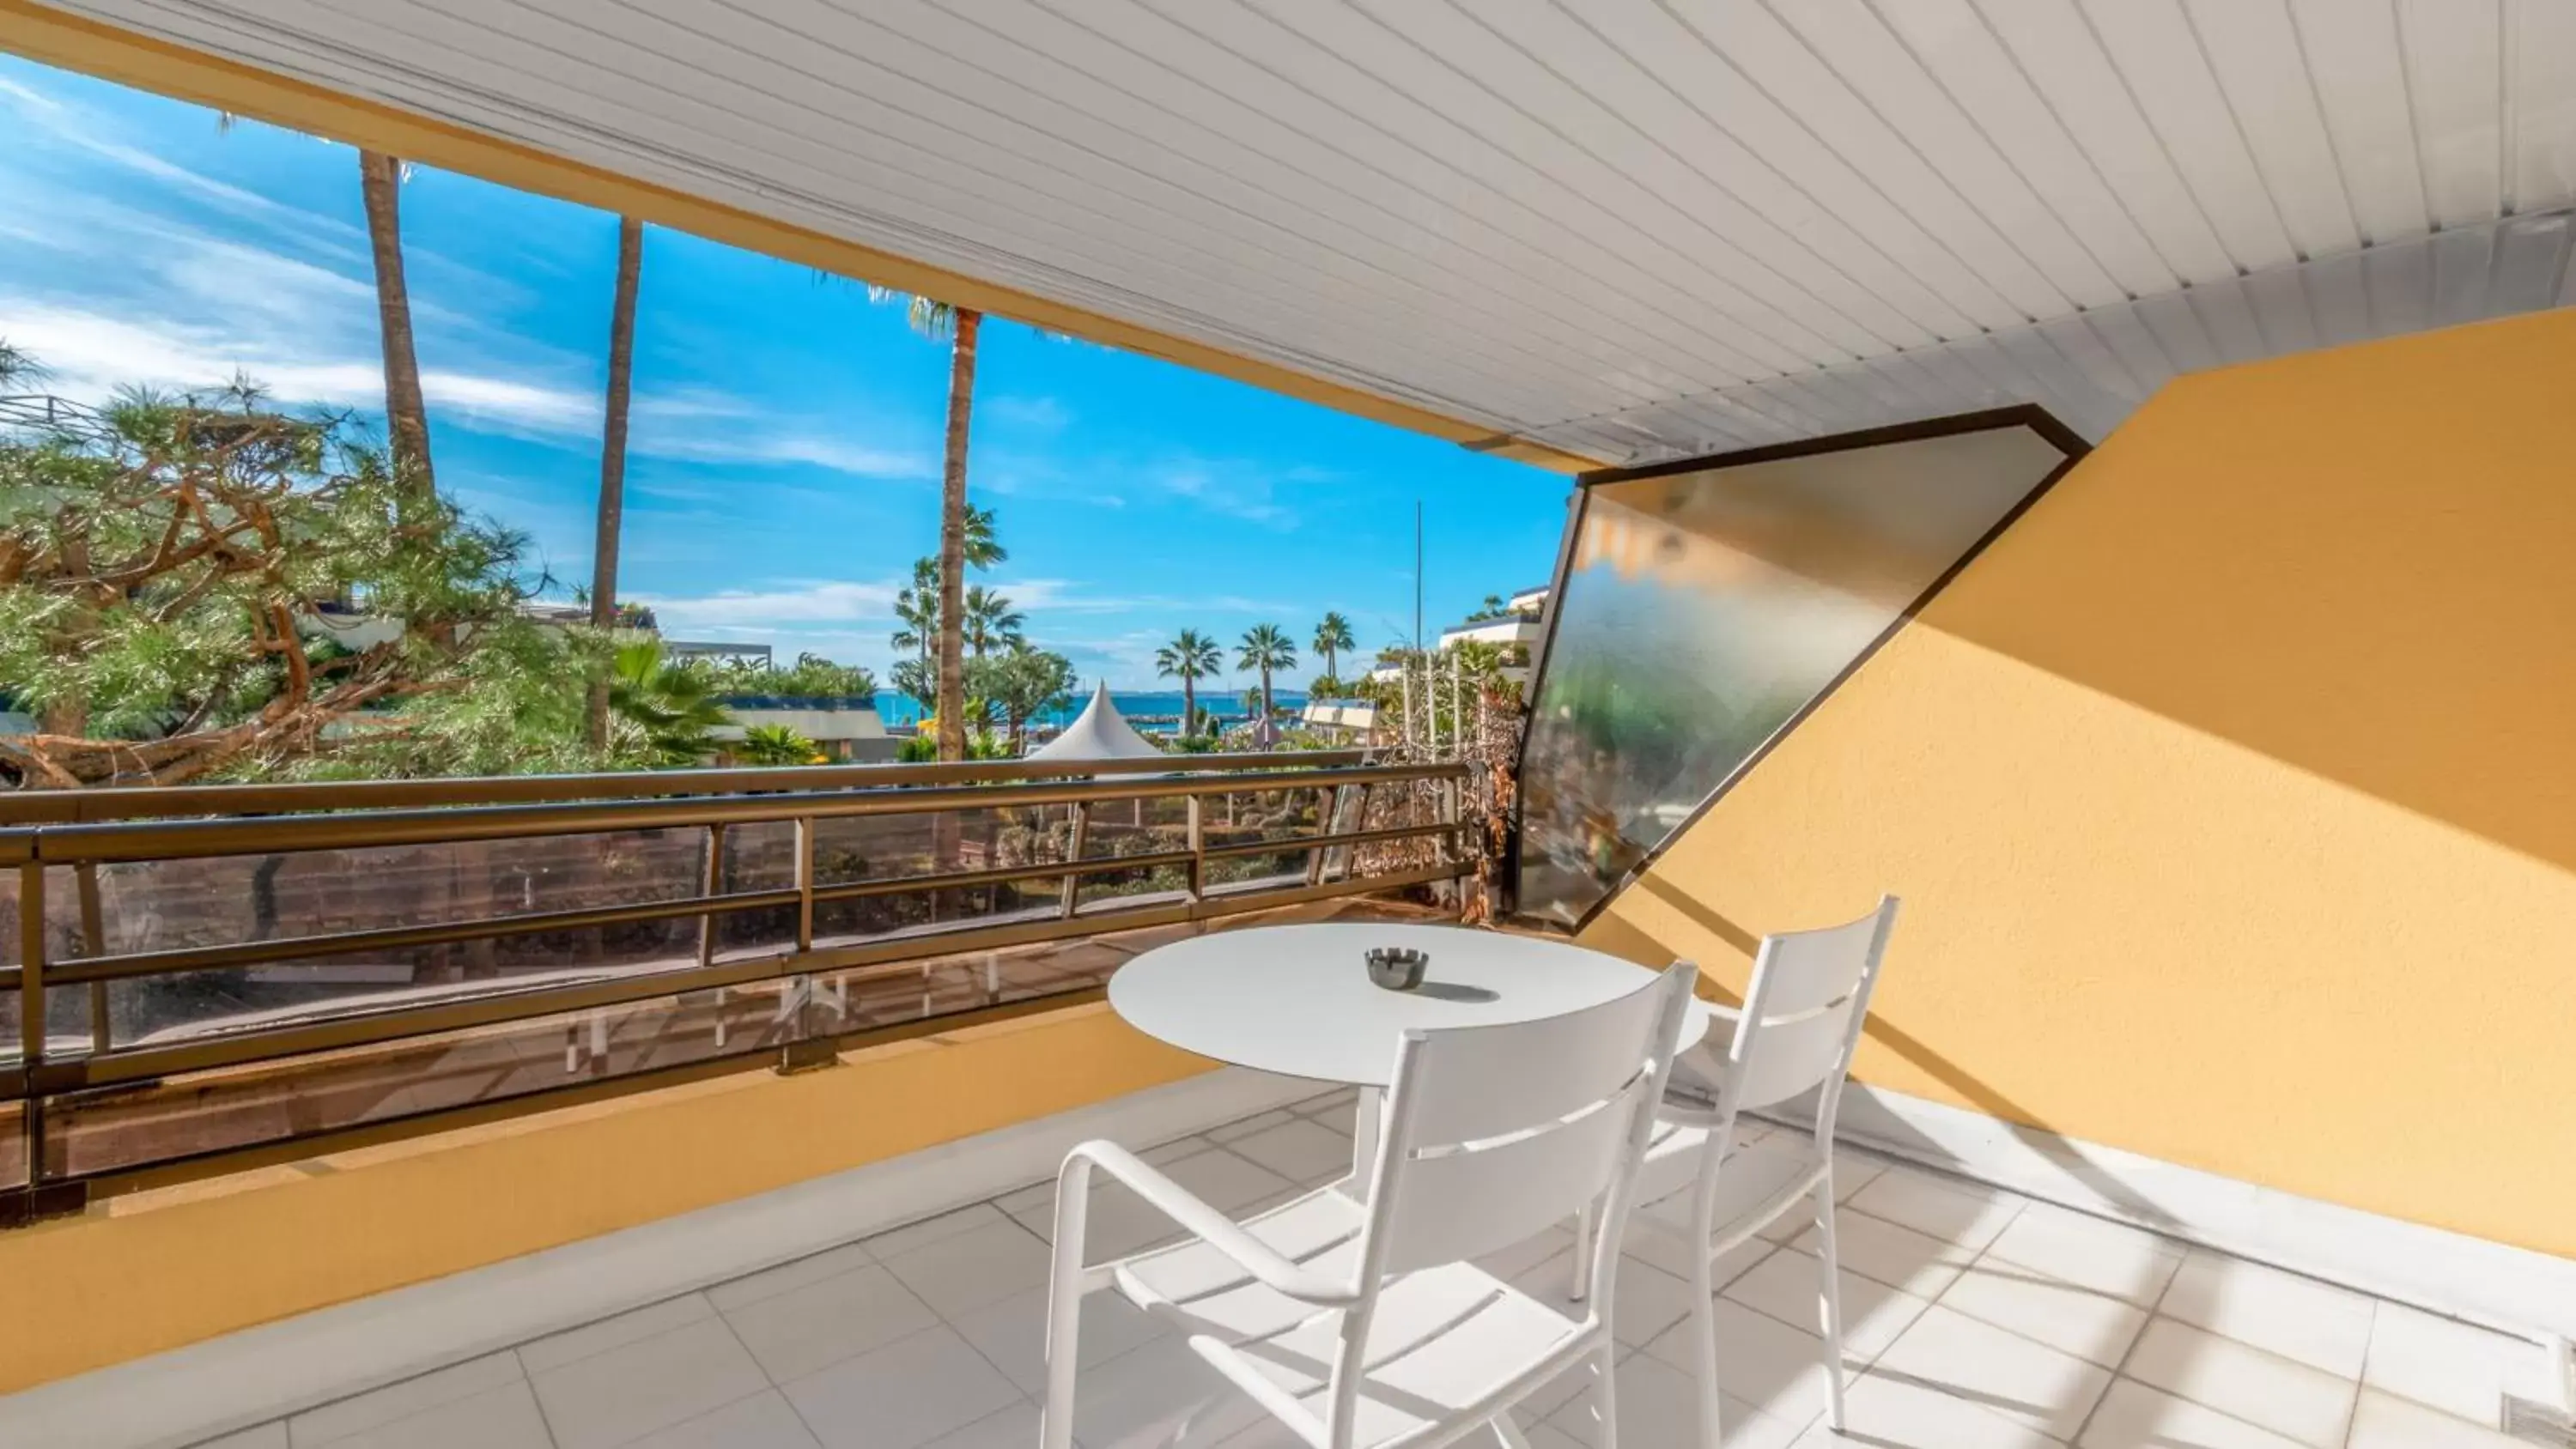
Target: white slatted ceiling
{"x":1631,"y":229}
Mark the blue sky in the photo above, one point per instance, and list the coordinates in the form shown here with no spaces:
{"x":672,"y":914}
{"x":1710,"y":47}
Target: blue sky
{"x":783,"y":469}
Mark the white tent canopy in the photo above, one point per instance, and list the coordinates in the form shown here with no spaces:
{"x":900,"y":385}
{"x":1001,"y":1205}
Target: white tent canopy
{"x":1102,"y":733}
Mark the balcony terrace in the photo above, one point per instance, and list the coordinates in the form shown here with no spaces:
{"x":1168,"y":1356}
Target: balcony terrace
{"x":2095,"y":469}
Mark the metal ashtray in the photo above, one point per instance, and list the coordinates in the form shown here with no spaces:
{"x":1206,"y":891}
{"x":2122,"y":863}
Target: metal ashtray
{"x":1397,"y":968}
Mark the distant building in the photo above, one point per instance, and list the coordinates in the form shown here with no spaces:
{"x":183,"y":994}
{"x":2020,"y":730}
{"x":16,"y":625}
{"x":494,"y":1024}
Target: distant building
{"x":1515,"y":630}
{"x":845,"y":728}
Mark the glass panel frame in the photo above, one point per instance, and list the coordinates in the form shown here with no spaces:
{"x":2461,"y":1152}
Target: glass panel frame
{"x":1808,"y":568}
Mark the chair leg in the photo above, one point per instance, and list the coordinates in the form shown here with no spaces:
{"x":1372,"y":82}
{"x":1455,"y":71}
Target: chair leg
{"x":1704,"y":1325}
{"x":1583,"y":1226}
{"x":1605,"y":1395}
{"x":1829,"y":1300}
{"x":1064,"y":1309}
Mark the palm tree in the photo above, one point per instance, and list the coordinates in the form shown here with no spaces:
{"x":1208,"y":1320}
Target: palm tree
{"x":1332,"y":636}
{"x":1190,"y":657}
{"x":990,"y":621}
{"x":612,"y":454}
{"x":1265,"y":647}
{"x":983,"y":544}
{"x":664,"y":713}
{"x":959,"y":326}
{"x":917,"y":608}
{"x":773,"y":744}
{"x":406,"y":417}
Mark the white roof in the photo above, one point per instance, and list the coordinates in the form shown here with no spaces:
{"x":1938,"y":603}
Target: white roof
{"x":1102,"y":733}
{"x":1626,"y":230}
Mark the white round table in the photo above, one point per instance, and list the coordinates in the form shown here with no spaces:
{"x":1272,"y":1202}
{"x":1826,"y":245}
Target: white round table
{"x":1297,"y":1000}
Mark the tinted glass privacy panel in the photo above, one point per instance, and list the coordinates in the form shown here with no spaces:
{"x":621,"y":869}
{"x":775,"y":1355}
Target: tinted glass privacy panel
{"x":1703,"y":609}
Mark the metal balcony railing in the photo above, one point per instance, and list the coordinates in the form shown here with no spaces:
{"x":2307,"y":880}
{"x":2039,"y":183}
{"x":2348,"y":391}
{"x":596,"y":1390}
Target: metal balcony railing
{"x":201,"y":973}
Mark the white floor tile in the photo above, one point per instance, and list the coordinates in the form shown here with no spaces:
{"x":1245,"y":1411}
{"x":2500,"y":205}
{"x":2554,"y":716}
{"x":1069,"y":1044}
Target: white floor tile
{"x":1162,"y":1153}
{"x":1660,"y":1233}
{"x":1899,"y":1257}
{"x":1520,"y":1257}
{"x":1336,"y":1105}
{"x":1786,"y":1285}
{"x":1296,"y":1149}
{"x":634,"y":1389}
{"x":764,"y":1421}
{"x":2383,"y":1421}
{"x":770,"y":1282}
{"x":2089,"y":1252}
{"x":397,"y":1401}
{"x":1012,"y":1333}
{"x":1250,"y":1125}
{"x":798,"y":1331}
{"x":1031,"y":1198}
{"x":1645,"y":1302}
{"x":1013,"y":1428}
{"x":271,"y":1435}
{"x":1891,"y":1413}
{"x":2290,"y":1399}
{"x":1162,"y":1396}
{"x":2298,"y":1318}
{"x":2133,"y":1416}
{"x":1953,"y":1212}
{"x":970,"y":1269}
{"x":2002,"y":1373}
{"x":1770,"y":1365}
{"x":902,"y":1395}
{"x":2090,"y":1324}
{"x":1659,"y":1405}
{"x":574,"y":1344}
{"x":1223,"y":1180}
{"x":931,"y":1230}
{"x":2447,"y":1365}
{"x":500,"y":1418}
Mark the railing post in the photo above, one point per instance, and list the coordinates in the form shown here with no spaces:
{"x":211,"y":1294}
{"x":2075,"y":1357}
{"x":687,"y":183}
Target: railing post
{"x":1198,"y":860}
{"x":31,"y":973}
{"x":1073,"y":854}
{"x":804,"y":882}
{"x":710,"y":883}
{"x":94,"y":942}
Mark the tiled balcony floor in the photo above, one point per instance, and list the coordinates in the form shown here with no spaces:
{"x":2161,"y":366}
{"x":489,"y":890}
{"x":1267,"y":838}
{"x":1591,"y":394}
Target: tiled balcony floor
{"x":1976,"y":1319}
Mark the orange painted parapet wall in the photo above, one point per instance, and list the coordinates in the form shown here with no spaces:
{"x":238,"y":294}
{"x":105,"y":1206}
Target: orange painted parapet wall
{"x":2232,"y":793}
{"x":139,"y":1275}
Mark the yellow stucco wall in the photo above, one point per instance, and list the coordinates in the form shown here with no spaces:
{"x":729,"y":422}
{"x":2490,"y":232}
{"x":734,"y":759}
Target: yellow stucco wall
{"x":2232,"y":794}
{"x":139,"y":1275}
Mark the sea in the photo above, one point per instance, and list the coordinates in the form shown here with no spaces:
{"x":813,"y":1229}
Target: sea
{"x":1150,"y":711}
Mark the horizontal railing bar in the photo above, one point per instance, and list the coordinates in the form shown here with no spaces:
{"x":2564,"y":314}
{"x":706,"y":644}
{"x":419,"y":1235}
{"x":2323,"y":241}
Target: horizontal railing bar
{"x":132,"y":1064}
{"x":1093,"y":920}
{"x":373,"y":1028}
{"x":358,"y":830}
{"x":395,"y":938}
{"x":998,"y":875}
{"x":1281,"y":845}
{"x":96,"y":806}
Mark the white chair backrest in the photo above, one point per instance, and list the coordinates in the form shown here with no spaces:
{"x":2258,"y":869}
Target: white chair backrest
{"x":1493,"y":1133}
{"x":1803,"y":1014}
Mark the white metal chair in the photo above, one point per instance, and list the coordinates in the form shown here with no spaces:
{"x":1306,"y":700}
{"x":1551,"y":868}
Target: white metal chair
{"x":1800,"y":1024}
{"x":1355,"y":1314}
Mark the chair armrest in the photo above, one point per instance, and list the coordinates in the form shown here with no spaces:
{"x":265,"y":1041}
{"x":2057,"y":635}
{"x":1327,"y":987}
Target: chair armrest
{"x":1264,"y":1262}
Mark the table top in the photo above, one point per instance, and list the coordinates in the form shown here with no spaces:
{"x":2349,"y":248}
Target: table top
{"x":1297,"y":1000}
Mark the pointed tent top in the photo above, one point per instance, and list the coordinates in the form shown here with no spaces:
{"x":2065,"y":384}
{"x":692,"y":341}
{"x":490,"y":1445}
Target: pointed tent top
{"x":1102,"y":733}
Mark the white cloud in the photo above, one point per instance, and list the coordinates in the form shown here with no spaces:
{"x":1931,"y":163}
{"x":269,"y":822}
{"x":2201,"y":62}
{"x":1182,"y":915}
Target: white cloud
{"x":822,"y":602}
{"x":1036,"y":414}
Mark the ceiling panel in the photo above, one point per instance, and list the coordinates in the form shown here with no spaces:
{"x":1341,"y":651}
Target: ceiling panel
{"x":1631,"y":229}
